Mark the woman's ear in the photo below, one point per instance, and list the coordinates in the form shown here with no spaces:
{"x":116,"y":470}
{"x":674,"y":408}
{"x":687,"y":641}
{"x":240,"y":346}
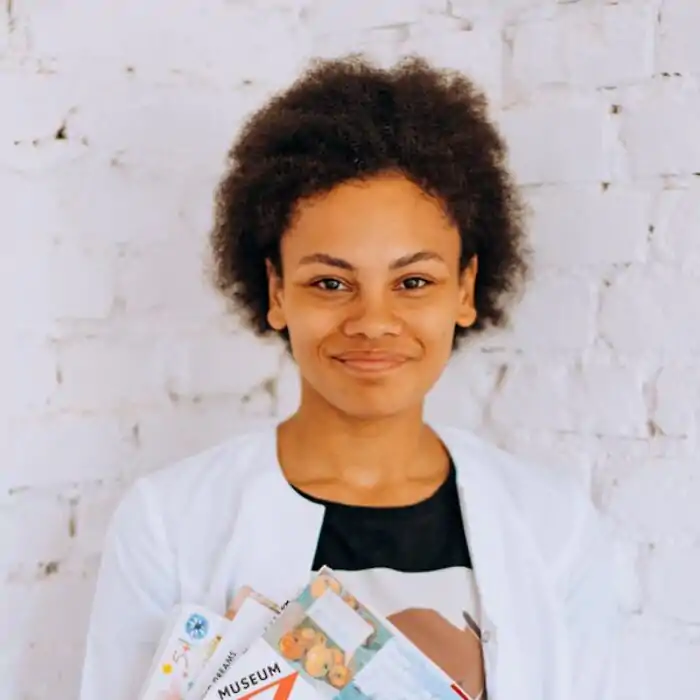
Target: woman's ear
{"x":275,"y":313}
{"x":466,"y":315}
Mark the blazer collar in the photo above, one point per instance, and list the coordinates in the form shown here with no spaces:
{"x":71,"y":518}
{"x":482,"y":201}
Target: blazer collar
{"x":281,"y":527}
{"x":277,"y":530}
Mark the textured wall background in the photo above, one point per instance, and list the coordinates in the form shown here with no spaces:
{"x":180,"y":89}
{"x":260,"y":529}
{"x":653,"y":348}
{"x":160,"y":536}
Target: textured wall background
{"x":117,"y":359}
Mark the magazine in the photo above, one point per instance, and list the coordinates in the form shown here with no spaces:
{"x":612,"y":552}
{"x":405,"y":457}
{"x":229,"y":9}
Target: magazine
{"x":327,"y":644}
{"x":190,"y":638}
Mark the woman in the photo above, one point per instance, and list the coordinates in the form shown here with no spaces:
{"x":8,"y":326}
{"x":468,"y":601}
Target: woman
{"x":368,"y":219}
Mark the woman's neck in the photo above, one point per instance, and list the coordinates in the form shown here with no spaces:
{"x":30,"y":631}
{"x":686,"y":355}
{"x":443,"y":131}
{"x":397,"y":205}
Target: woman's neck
{"x":325,"y":448}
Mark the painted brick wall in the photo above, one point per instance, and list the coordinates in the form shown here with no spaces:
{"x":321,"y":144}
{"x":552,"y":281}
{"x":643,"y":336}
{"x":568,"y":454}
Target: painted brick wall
{"x":117,"y":359}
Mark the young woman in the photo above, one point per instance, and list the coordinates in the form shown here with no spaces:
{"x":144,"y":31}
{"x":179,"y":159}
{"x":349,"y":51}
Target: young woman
{"x":368,"y":219}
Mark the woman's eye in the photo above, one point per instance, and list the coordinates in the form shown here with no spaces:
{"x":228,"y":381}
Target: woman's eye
{"x":329,"y":284}
{"x":414,"y":283}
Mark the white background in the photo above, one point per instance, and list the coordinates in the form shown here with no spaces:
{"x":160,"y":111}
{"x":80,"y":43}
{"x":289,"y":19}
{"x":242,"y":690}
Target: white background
{"x":115,"y":116}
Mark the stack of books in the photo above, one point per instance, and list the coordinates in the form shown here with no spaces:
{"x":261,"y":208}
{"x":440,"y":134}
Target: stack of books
{"x":322,"y":644}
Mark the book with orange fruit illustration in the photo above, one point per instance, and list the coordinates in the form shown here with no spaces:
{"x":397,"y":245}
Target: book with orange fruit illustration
{"x":327,"y":644}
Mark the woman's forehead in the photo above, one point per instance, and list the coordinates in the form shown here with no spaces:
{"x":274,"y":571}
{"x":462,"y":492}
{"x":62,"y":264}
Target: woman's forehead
{"x":371,"y":212}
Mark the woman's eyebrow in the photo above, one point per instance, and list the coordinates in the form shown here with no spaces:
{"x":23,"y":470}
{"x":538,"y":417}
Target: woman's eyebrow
{"x":416,"y":257}
{"x":326,"y":260}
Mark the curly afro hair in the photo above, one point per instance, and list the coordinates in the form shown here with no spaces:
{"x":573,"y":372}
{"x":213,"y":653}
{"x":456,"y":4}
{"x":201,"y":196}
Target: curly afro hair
{"x":347,"y":119}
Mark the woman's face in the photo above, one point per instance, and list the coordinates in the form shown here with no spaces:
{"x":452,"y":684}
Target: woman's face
{"x":370,"y":294}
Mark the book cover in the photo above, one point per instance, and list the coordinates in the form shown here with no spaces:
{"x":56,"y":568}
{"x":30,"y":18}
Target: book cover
{"x":190,"y":638}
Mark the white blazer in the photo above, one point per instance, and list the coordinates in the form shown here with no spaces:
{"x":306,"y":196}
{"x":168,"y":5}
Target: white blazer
{"x":200,"y":529}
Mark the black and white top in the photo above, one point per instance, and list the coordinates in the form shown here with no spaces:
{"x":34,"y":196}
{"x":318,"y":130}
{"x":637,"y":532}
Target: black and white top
{"x":412,"y":565}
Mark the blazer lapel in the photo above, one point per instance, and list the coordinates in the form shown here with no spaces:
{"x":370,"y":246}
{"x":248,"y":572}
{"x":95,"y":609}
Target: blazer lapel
{"x":491,"y":537}
{"x":278,"y":532}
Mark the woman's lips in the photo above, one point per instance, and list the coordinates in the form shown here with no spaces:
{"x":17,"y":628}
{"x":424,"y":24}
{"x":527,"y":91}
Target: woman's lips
{"x":371,"y":363}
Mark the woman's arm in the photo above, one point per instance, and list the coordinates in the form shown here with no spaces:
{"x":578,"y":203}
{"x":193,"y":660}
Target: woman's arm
{"x":136,"y":590}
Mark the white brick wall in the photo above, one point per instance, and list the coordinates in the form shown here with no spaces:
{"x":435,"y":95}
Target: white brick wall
{"x":117,"y":357}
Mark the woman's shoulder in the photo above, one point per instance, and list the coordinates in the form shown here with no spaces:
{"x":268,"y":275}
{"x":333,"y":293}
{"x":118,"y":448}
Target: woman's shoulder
{"x":551,"y":502}
{"x":523,"y":479}
{"x":199,"y":487}
{"x":231,"y":461}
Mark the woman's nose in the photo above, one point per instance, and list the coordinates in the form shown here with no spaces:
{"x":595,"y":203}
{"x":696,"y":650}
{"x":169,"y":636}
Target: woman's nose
{"x":372,"y":316}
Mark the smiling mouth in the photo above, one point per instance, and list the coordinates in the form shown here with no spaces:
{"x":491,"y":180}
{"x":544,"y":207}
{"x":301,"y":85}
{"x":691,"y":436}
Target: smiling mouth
{"x":371,"y":363}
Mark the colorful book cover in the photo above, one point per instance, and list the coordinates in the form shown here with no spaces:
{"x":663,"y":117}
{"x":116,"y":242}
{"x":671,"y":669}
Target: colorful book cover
{"x":327,"y":644}
{"x":190,"y":639}
{"x":250,"y":615}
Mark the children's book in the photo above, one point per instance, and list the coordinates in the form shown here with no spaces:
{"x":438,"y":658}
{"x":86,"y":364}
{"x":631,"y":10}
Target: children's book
{"x":327,"y":644}
{"x":190,"y":638}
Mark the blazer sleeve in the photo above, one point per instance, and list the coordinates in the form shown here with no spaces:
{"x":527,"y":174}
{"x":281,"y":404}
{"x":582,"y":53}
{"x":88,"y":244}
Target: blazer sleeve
{"x":136,"y":591}
{"x":591,"y":607}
